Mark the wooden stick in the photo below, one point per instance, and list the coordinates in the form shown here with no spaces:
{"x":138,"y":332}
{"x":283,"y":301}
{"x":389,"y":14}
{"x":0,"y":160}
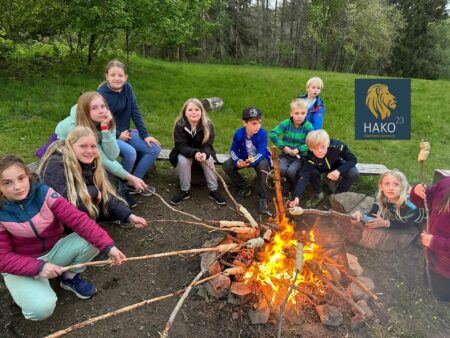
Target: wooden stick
{"x":278,"y":194}
{"x":359,"y":283}
{"x":328,"y":213}
{"x":179,"y":211}
{"x":178,"y":306}
{"x":188,"y":289}
{"x":280,"y":322}
{"x":355,"y":307}
{"x":128,"y":308}
{"x":220,"y":248}
{"x":182,"y":221}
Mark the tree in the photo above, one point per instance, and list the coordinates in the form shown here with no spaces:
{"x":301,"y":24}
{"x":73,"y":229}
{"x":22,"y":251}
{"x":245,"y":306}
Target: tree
{"x":414,"y":55}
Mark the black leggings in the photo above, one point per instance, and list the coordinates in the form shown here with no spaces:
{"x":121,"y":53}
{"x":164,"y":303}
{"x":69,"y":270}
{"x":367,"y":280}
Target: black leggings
{"x":440,"y":286}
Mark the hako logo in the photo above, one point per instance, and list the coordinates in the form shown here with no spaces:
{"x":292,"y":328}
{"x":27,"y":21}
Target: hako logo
{"x":380,"y":101}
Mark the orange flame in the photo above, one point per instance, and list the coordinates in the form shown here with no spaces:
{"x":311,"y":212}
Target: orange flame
{"x":277,"y":268}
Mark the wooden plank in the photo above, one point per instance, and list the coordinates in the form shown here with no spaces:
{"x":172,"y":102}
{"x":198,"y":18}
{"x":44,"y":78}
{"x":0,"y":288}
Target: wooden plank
{"x":363,"y":168}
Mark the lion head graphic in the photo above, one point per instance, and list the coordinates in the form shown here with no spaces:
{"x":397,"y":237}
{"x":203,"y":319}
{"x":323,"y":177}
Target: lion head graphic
{"x":380,"y":101}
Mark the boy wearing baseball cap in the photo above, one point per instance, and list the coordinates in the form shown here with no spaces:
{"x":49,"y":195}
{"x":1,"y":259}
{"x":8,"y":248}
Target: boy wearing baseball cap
{"x":249,"y":149}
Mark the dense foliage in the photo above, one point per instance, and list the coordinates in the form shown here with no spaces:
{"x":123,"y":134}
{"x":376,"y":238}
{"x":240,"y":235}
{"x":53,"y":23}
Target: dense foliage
{"x":387,"y":37}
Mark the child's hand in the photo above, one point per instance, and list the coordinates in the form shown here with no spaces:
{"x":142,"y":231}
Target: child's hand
{"x":357,"y":215}
{"x":287,"y":150}
{"x":377,"y":223}
{"x":125,"y":136}
{"x":116,"y":255}
{"x":149,"y":140}
{"x":50,"y":271}
{"x":138,"y":222}
{"x":419,"y":190}
{"x":426,"y":239}
{"x":136,"y":182}
{"x":294,"y":203}
{"x":242,"y":164}
{"x":200,"y":157}
{"x":334,"y":175}
{"x":107,"y":119}
{"x":294,"y":152}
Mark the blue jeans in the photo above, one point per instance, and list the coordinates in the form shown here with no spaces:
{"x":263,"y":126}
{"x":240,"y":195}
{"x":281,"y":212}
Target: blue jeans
{"x":137,"y":148}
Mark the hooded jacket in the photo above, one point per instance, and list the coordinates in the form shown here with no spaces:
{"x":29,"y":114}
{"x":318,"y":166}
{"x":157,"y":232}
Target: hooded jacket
{"x":30,"y":228}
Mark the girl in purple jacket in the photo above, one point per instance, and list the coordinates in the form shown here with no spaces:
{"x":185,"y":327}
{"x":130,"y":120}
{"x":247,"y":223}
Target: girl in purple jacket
{"x":32,"y":249}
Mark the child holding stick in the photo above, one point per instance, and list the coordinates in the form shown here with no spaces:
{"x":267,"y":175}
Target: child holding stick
{"x":92,"y":111}
{"x":391,"y":208}
{"x":32,"y":249}
{"x":73,"y":168}
{"x":193,"y":136}
{"x":437,"y":241}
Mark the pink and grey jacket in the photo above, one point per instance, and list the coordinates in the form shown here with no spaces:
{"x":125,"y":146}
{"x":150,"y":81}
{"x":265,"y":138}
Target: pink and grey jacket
{"x":30,"y":228}
{"x":439,"y":249}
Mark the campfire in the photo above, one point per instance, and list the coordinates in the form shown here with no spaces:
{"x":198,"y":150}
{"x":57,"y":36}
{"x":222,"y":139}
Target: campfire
{"x":300,"y":265}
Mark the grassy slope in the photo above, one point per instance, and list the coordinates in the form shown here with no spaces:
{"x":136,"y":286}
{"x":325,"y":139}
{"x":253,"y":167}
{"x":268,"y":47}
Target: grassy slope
{"x":31,"y":107}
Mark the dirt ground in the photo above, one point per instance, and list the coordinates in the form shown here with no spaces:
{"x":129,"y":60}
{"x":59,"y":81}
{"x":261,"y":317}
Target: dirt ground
{"x":406,"y":310}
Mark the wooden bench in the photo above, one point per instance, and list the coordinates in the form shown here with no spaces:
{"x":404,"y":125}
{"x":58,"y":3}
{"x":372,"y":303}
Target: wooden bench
{"x":363,"y":168}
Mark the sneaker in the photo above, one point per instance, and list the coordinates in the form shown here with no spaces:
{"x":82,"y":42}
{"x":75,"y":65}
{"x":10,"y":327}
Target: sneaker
{"x":130,"y":200}
{"x":315,"y":200}
{"x":262,"y":207}
{"x":149,"y":191}
{"x":217,"y":197}
{"x":243,"y":193}
{"x":82,"y":288}
{"x":183,"y":195}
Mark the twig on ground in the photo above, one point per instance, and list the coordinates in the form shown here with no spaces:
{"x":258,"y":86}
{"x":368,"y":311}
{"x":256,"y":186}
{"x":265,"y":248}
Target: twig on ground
{"x":179,"y":211}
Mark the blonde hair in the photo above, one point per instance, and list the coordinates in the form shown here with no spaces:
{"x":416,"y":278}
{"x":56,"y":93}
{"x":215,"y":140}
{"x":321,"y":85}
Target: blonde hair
{"x":445,"y":204}
{"x":10,"y":160}
{"x":317,"y":138}
{"x":76,"y":187}
{"x":84,"y":111}
{"x":204,"y":120}
{"x":116,"y":63}
{"x":299,"y":103}
{"x":314,"y":80}
{"x":382,"y":199}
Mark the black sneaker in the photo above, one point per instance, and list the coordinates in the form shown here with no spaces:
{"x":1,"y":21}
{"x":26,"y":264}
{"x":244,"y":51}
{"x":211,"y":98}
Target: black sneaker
{"x":183,"y":195}
{"x":243,"y":193}
{"x":262,"y":207}
{"x":130,"y":200}
{"x":217,"y":197}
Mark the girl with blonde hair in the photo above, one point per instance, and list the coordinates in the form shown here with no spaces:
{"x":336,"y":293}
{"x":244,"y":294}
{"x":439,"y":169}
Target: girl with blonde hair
{"x":92,"y":111}
{"x":73,"y":168}
{"x":392,"y":208}
{"x":194,"y":137}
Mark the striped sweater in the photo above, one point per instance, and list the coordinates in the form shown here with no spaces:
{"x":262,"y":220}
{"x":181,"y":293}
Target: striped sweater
{"x":30,"y":228}
{"x":293,"y":137}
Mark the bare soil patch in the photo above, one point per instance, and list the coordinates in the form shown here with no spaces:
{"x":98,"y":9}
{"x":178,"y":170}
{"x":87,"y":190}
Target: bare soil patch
{"x":407,"y":308}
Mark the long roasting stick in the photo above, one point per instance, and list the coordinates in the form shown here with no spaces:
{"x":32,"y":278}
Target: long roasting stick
{"x":220,"y":248}
{"x":128,"y":308}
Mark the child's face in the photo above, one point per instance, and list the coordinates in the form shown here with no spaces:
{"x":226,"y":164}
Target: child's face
{"x":85,"y":149}
{"x":193,"y":113}
{"x":320,"y":151}
{"x":298,"y":115}
{"x":97,"y":110}
{"x":313,"y":90}
{"x":116,"y":78}
{"x":391,"y":188}
{"x":14,"y":183}
{"x":252,"y":126}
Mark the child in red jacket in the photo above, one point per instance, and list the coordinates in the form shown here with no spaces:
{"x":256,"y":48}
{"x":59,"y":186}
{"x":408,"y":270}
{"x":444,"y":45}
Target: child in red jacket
{"x":32,"y":249}
{"x":437,"y":241}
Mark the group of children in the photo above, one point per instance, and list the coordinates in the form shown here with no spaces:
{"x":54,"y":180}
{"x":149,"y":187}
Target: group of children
{"x":77,"y":171}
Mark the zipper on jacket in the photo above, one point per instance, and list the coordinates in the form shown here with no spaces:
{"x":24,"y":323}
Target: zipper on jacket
{"x":34,"y":229}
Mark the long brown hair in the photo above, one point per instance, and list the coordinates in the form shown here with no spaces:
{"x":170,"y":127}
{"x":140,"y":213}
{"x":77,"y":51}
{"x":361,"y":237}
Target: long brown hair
{"x":10,"y":160}
{"x":204,"y":120}
{"x":445,"y":203}
{"x":84,"y":111}
{"x":76,"y":187}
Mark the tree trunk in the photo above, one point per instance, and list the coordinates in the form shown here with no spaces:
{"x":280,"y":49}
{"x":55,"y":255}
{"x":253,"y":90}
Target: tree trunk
{"x":91,"y":49}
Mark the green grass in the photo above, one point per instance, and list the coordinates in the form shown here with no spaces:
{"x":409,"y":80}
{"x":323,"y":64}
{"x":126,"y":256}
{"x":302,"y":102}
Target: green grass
{"x":32,"y":105}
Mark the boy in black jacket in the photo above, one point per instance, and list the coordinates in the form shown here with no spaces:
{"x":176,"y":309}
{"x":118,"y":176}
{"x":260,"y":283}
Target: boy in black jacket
{"x":331,"y":157}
